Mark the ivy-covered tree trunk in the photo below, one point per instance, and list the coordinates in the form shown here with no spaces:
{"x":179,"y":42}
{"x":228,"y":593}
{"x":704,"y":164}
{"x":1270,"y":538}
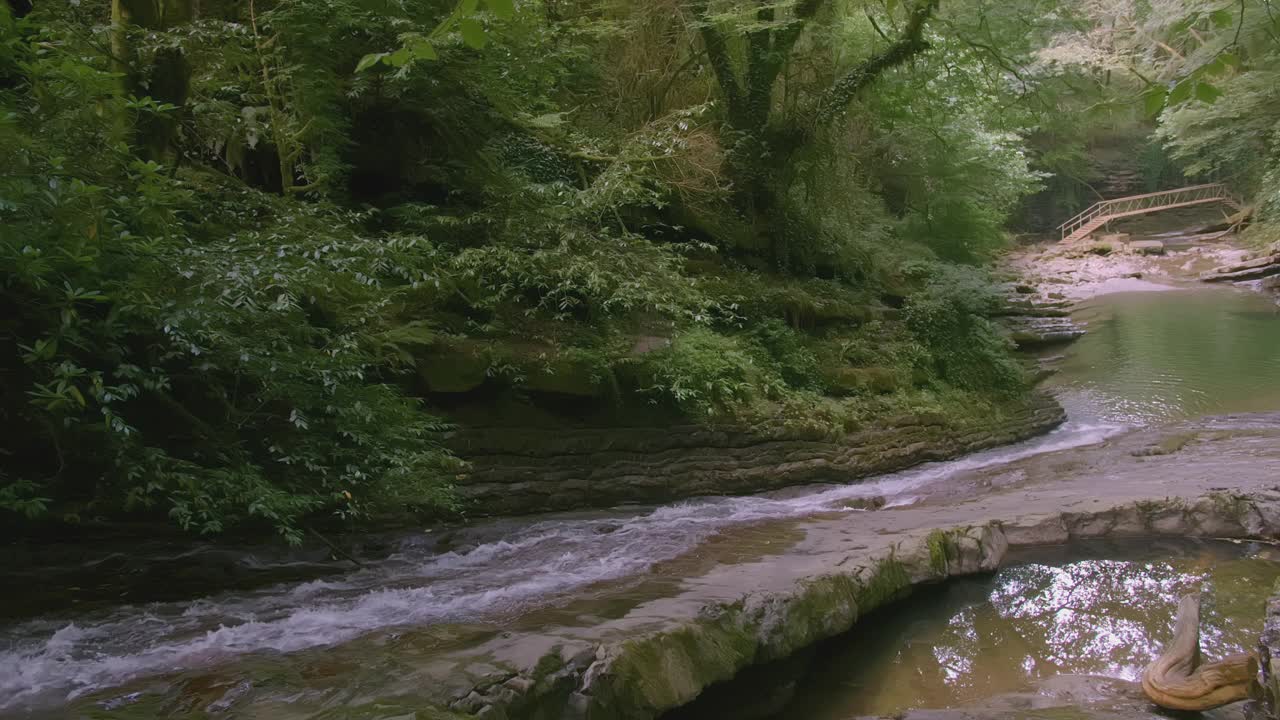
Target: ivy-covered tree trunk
{"x":164,"y":79}
{"x":753,"y":154}
{"x":761,"y":148}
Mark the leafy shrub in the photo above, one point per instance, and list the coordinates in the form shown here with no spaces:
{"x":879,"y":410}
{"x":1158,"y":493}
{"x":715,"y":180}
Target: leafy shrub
{"x":948,"y":316}
{"x":707,"y":374}
{"x":786,"y":350}
{"x":157,"y":361}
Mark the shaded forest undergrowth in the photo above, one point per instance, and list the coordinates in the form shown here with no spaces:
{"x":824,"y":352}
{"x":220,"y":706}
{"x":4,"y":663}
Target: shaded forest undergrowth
{"x":257,"y":257}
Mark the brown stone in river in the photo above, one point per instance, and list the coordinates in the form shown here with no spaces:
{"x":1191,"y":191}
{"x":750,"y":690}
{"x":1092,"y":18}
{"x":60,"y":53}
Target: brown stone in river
{"x":874,"y":502}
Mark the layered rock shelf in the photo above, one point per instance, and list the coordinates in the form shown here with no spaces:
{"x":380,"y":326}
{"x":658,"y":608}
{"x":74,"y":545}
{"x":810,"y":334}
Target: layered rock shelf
{"x":1256,"y":269}
{"x":524,"y":470}
{"x":1036,"y":332}
{"x":1033,"y":322}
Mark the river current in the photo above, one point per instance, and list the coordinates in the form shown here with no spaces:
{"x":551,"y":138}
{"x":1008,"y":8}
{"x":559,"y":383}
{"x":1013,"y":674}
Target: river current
{"x":1143,"y":361}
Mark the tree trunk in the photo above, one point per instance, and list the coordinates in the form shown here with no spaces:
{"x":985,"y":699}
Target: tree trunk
{"x":165,"y":80}
{"x":761,"y":151}
{"x":1180,"y":680}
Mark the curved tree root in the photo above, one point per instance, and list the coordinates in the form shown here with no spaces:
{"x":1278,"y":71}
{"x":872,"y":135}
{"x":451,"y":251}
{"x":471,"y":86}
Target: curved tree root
{"x":1179,"y":680}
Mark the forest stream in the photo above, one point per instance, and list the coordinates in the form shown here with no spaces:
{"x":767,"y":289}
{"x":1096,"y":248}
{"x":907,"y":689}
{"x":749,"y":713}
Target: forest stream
{"x":675,"y":360}
{"x":101,"y":638}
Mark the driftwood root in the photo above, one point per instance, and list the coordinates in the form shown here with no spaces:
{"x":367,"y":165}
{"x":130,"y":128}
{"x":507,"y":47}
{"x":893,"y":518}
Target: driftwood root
{"x":1180,"y":680}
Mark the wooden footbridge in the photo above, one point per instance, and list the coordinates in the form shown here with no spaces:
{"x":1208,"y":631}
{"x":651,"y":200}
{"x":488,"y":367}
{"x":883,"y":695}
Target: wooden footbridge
{"x":1101,"y":213}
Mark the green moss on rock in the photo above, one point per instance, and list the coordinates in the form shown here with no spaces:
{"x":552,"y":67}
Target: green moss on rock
{"x":668,"y":669}
{"x":579,"y":374}
{"x":887,"y":582}
{"x":938,"y":543}
{"x":825,"y":607}
{"x":1230,"y":506}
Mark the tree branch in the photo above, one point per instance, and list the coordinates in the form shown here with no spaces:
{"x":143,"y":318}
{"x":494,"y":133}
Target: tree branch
{"x":661,"y":98}
{"x":909,"y":44}
{"x":786,"y":37}
{"x":1004,"y":63}
{"x":762,"y":68}
{"x":767,"y":50}
{"x":718,"y":55}
{"x":1239,"y":26}
{"x":876,"y":25}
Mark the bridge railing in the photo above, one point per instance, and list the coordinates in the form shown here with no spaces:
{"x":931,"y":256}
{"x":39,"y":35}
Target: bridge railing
{"x":1135,"y":204}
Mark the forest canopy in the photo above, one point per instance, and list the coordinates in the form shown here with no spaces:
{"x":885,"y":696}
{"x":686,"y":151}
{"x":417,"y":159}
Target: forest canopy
{"x":257,"y":253}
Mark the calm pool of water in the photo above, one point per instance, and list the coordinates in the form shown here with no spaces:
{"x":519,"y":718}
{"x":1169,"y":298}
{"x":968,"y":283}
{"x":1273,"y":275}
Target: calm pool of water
{"x":1153,"y":357}
{"x":1091,"y":609}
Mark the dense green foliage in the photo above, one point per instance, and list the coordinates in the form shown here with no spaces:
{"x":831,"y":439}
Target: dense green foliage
{"x":254,"y":252}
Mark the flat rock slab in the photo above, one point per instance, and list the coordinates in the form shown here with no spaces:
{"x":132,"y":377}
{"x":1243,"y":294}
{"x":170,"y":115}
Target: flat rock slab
{"x":760,"y":592}
{"x":1263,"y":267}
{"x":1147,"y":247}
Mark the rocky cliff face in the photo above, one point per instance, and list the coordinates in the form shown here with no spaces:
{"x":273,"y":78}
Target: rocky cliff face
{"x":523,"y":470}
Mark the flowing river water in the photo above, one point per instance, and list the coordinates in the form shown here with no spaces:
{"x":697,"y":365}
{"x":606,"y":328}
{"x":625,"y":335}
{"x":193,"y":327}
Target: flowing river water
{"x":1147,"y":358}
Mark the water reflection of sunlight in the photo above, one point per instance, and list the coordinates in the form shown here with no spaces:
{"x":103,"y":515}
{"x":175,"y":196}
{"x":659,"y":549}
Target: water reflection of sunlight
{"x":1066,"y":612}
{"x":1101,"y":617}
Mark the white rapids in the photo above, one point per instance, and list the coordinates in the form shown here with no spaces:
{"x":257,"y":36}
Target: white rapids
{"x":50,"y":660}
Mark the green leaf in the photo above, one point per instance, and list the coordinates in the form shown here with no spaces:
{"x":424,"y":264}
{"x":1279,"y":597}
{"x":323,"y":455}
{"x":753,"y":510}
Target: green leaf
{"x":400,"y":58}
{"x":890,"y":6}
{"x":1230,"y":60}
{"x":1207,"y":93}
{"x":1221,"y":18}
{"x":1181,"y":92}
{"x":423,"y":50}
{"x":502,"y":9}
{"x":1153,"y":101}
{"x":468,"y":7}
{"x":369,"y":61}
{"x":472,"y":32}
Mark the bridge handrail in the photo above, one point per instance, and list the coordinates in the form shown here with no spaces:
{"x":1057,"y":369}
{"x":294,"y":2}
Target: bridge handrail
{"x":1095,"y":209}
